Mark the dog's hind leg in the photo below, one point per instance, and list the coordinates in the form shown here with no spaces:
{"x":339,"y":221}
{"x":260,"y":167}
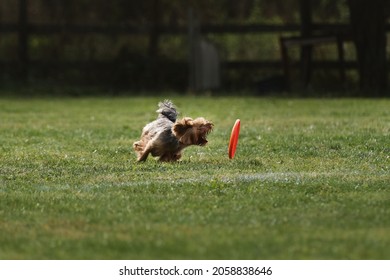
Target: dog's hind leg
{"x":144,"y":154}
{"x":138,"y":148}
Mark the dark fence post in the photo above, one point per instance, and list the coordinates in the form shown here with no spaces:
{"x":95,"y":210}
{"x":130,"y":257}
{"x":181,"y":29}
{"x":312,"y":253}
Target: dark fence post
{"x":193,"y":36}
{"x":306,"y":31}
{"x":23,"y":40}
{"x":154,"y":38}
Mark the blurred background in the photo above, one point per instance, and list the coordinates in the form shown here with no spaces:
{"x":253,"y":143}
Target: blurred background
{"x":259,"y":46}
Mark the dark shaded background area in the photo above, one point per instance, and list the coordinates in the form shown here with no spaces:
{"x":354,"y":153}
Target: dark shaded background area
{"x":145,"y":45}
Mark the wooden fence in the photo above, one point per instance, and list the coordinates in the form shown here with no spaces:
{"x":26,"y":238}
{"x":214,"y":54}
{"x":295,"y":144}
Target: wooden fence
{"x":25,"y":30}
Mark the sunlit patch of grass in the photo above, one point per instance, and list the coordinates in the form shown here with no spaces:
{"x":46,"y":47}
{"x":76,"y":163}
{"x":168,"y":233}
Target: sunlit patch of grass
{"x":310,"y":180}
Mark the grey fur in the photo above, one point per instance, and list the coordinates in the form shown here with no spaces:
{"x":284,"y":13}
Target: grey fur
{"x":168,"y":110}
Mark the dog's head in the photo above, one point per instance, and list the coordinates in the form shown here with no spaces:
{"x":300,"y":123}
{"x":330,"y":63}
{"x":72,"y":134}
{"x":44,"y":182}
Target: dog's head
{"x":192,"y":132}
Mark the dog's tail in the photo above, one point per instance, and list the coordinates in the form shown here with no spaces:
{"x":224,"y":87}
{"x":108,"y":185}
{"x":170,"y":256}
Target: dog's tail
{"x":168,"y":110}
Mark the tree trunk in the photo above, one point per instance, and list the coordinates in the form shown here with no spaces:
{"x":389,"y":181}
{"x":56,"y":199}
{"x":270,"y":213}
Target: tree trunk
{"x":368,"y":23}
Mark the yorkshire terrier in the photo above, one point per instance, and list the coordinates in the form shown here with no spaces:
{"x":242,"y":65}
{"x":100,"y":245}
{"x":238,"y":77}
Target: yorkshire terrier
{"x":166,"y":137}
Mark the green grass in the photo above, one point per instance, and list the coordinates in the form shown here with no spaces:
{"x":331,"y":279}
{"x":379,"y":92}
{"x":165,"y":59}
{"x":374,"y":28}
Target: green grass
{"x":310,"y":180}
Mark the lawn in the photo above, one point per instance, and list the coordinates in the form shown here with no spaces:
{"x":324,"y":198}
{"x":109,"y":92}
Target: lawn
{"x":310,"y":180}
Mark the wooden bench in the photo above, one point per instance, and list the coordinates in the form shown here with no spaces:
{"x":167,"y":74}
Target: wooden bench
{"x":306,"y":59}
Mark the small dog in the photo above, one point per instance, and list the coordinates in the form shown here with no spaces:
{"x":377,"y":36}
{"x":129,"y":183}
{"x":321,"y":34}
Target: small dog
{"x":166,"y":138}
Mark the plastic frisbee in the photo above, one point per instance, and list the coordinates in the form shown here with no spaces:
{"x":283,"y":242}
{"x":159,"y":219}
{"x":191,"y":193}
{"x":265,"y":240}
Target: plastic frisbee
{"x":234,"y":138}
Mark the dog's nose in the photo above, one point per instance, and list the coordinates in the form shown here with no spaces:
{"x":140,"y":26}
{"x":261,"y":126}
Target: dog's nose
{"x":202,"y":142}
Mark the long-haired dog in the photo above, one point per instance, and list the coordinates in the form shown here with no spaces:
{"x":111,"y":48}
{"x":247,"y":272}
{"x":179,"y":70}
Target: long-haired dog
{"x":166,"y":137}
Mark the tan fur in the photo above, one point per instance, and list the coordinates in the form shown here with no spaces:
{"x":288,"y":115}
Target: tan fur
{"x":166,"y":138}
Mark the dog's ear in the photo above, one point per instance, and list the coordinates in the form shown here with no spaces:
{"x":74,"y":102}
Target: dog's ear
{"x":180,"y":127}
{"x":189,"y":138}
{"x":203,"y":125}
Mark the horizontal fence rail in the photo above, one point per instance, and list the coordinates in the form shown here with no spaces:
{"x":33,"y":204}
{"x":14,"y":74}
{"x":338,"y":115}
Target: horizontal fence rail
{"x":27,"y":29}
{"x":146,"y":29}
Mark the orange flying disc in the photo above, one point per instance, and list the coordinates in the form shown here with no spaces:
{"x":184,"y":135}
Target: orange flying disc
{"x":234,"y":138}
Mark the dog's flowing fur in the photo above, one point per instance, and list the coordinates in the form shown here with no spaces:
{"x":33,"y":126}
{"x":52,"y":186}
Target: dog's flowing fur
{"x":166,"y":138}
